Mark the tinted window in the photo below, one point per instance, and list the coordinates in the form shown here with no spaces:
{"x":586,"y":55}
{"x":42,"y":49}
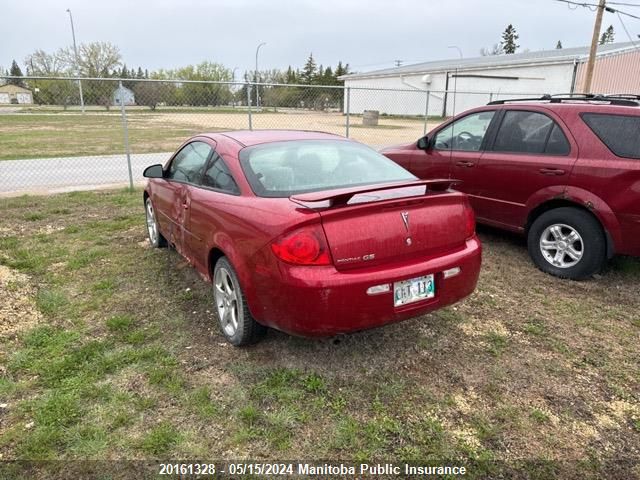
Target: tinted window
{"x":557,"y":143}
{"x":621,"y":134}
{"x":524,"y":132}
{"x":188,"y":164}
{"x":281,"y":169}
{"x":217,"y":175}
{"x":465,"y":134}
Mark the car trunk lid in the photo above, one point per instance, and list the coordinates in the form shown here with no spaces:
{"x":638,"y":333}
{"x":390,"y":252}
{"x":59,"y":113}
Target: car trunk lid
{"x":370,"y":226}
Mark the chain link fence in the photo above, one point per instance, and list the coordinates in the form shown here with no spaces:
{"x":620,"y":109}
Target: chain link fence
{"x":62,"y":134}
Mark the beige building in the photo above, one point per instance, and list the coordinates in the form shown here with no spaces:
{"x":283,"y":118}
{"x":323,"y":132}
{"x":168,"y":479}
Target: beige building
{"x":15,"y":94}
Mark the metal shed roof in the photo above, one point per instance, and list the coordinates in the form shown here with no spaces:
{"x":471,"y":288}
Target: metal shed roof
{"x":561,"y":55}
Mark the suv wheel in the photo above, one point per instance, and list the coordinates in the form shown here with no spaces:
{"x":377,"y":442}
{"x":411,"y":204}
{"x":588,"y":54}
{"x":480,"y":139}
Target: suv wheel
{"x":568,"y":243}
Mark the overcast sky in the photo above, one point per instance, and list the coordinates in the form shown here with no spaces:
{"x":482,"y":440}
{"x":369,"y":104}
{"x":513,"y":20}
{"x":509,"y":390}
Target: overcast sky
{"x":368,"y":34}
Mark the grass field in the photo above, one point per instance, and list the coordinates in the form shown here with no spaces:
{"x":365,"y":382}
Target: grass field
{"x":110,"y":349}
{"x":55,"y":134}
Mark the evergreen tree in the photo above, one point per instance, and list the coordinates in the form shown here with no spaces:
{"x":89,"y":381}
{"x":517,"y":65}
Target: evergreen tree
{"x":608,"y":36}
{"x":328,"y":78}
{"x":309,"y":71}
{"x":291,"y":75}
{"x":509,"y":38}
{"x":15,"y":71}
{"x":558,"y":45}
{"x":140,"y":73}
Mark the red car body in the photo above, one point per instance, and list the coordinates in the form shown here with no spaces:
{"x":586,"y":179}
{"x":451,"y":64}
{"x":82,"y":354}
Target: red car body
{"x":205,"y":224}
{"x":511,"y":190}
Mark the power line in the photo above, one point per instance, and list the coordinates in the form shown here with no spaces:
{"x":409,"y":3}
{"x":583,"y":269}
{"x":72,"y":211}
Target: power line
{"x":625,"y":4}
{"x":613,"y":10}
{"x":624,"y":27}
{"x":607,"y":8}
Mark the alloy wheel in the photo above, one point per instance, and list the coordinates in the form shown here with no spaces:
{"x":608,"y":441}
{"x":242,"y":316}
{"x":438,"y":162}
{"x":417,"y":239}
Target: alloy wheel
{"x":225,"y":294}
{"x":561,"y":245}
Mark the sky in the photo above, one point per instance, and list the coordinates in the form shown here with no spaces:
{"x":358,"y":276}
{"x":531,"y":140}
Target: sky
{"x":367,"y":34}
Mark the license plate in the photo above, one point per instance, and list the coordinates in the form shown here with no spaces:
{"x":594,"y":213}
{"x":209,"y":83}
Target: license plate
{"x":413,"y":290}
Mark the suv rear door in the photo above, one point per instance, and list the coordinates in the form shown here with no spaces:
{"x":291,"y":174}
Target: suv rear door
{"x":609,"y":168}
{"x":531,"y":153}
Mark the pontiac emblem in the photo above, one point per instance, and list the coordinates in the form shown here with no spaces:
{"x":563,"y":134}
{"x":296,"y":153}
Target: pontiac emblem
{"x":405,"y":219}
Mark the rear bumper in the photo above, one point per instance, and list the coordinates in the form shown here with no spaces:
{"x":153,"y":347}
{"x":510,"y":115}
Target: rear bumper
{"x":321,"y":301}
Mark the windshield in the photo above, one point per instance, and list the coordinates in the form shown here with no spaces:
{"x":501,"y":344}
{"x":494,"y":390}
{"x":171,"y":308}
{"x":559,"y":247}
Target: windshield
{"x":281,"y":169}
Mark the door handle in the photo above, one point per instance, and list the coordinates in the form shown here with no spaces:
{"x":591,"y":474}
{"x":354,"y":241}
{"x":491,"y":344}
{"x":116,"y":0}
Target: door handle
{"x":465,"y":163}
{"x":552,"y":171}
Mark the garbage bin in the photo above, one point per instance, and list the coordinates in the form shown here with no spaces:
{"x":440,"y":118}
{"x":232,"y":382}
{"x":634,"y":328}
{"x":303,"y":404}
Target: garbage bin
{"x":370,"y":118}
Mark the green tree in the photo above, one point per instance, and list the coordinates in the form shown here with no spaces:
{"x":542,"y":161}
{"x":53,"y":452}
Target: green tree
{"x":608,"y":36}
{"x":15,"y":71}
{"x":509,"y":38}
{"x":558,"y":45}
{"x":309,"y":71}
{"x":203,"y":93}
{"x":152,"y":93}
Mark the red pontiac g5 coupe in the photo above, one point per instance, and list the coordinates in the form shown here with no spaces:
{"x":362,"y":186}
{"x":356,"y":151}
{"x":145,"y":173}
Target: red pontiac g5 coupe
{"x":310,"y":233}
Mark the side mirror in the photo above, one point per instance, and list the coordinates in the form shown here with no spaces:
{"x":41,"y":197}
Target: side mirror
{"x":154,"y":171}
{"x":423,"y":143}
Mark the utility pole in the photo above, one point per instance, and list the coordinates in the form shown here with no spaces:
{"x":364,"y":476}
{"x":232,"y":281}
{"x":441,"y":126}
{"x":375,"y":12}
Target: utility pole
{"x":594,"y":46}
{"x":75,"y":49}
{"x":398,"y":63}
{"x":256,"y":75}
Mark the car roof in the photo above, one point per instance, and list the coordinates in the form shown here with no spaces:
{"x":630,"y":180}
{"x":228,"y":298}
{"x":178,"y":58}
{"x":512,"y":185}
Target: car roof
{"x":247,"y":138}
{"x":580,"y":105}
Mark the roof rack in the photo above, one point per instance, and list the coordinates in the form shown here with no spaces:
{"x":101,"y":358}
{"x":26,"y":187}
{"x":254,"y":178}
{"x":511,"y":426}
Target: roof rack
{"x":623,"y":99}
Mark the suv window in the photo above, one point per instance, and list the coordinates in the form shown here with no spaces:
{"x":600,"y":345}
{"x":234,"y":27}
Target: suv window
{"x":217,"y":176}
{"x":620,"y":133}
{"x":188,"y":163}
{"x":465,"y":134}
{"x":530,"y":132}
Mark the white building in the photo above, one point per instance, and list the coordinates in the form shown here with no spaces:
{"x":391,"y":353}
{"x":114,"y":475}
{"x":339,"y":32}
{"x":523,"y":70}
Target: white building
{"x":15,"y":94}
{"x":123,"y":95}
{"x":482,"y":79}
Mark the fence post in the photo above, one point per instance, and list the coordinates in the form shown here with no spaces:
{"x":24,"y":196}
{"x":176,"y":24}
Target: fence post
{"x":249,"y":104}
{"x":490,"y":97}
{"x":125,"y":129}
{"x":426,"y":112}
{"x":348,"y":109}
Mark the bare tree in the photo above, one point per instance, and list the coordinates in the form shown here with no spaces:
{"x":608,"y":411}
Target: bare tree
{"x":96,"y":59}
{"x":43,"y":63}
{"x":496,"y":49}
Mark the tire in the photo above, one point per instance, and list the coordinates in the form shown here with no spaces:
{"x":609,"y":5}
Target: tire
{"x":153,"y":231}
{"x":568,"y":243}
{"x":237,"y":325}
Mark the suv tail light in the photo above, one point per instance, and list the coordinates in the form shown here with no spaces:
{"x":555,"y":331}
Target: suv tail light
{"x":306,"y":246}
{"x":470,"y":220}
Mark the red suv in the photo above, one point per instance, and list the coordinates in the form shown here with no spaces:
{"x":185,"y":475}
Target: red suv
{"x":563,"y":170}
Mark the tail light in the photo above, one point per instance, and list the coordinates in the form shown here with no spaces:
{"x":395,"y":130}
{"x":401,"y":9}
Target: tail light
{"x":470,"y":220}
{"x":306,"y":246}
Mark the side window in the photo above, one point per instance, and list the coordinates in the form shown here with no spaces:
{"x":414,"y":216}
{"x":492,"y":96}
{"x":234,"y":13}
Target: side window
{"x":530,"y":132}
{"x":557,"y":143}
{"x":187,"y":165}
{"x":618,"y":132}
{"x":218,"y":176}
{"x":464,"y":134}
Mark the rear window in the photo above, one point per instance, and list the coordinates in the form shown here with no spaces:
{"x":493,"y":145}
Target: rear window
{"x":620,"y":133}
{"x":281,"y":169}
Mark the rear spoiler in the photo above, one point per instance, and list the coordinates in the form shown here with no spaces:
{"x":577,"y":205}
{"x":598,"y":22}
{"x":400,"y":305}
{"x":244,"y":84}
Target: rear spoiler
{"x":342,"y":196}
